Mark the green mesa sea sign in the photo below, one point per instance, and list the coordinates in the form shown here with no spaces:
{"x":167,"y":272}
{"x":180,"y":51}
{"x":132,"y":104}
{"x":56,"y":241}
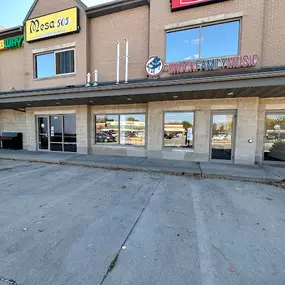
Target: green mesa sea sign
{"x":10,"y":43}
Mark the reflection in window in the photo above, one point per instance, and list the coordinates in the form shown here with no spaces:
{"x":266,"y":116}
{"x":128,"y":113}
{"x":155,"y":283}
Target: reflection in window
{"x":45,"y":65}
{"x":178,"y":129}
{"x":203,"y":42}
{"x":274,"y":145}
{"x":132,"y":129}
{"x":54,"y":63}
{"x":220,"y":40}
{"x":107,"y":129}
{"x":188,"y":43}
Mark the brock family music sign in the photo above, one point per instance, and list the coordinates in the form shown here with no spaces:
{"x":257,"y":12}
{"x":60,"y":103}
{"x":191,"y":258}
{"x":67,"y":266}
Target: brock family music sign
{"x":213,"y":64}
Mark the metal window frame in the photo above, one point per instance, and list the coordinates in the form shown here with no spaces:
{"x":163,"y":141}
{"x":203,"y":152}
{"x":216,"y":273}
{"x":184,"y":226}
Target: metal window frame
{"x":200,"y":26}
{"x":48,"y":116}
{"x":54,"y":52}
{"x":194,"y":122}
{"x":119,"y":129}
{"x":233,"y":112}
{"x":270,"y":112}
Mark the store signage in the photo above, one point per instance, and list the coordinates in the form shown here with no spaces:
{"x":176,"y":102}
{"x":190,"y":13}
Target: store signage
{"x":154,"y":66}
{"x":10,"y":43}
{"x":182,"y":4}
{"x":213,"y":64}
{"x":51,"y":25}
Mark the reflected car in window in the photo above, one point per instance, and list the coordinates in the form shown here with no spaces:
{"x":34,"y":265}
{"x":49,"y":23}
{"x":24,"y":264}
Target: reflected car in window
{"x":102,"y":137}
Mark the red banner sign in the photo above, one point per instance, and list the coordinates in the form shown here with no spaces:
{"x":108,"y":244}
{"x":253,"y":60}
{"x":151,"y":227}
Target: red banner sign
{"x":180,"y":4}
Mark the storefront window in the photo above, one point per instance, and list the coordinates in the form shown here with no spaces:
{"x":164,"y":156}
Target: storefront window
{"x":120,"y":129}
{"x":55,"y":63}
{"x":178,"y":129}
{"x":274,"y":146}
{"x":203,"y":42}
{"x":107,"y":129}
{"x":132,"y":129}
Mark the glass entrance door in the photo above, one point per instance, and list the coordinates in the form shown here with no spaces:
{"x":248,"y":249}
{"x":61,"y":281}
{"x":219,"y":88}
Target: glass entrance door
{"x":222,"y":132}
{"x":57,"y":133}
{"x":43,"y":133}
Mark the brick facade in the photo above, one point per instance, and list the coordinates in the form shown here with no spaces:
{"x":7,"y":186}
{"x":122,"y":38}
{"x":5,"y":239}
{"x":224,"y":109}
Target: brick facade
{"x":145,"y":28}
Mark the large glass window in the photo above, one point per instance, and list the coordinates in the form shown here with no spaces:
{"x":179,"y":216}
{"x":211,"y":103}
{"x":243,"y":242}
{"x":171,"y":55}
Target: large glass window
{"x":178,"y":129}
{"x":203,"y":42}
{"x":132,"y":129}
{"x":127,"y":129}
{"x":107,"y":129}
{"x":274,"y":145}
{"x":54,"y":63}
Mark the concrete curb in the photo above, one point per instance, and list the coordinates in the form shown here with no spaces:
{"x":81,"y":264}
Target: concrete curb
{"x":133,"y":168}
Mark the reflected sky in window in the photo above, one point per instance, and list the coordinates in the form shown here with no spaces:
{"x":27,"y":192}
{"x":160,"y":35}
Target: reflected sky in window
{"x":216,"y":40}
{"x":45,"y":65}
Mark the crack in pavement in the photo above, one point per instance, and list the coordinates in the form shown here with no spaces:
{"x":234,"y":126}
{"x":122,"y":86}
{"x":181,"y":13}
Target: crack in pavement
{"x":131,"y":230}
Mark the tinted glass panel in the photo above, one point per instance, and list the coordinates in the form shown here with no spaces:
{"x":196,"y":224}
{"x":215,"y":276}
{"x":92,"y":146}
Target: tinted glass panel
{"x":107,"y":129}
{"x":65,"y":62}
{"x":45,"y":65}
{"x":69,"y":126}
{"x":70,"y":148}
{"x":182,"y":45}
{"x":56,"y":147}
{"x":178,"y":129}
{"x":220,"y":40}
{"x":274,"y":146}
{"x":132,"y":129}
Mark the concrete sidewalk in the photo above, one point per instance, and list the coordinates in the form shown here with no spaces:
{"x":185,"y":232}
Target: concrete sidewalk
{"x":204,"y":169}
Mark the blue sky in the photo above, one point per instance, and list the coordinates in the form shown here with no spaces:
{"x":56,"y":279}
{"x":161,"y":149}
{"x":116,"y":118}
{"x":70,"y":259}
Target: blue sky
{"x":13,"y":12}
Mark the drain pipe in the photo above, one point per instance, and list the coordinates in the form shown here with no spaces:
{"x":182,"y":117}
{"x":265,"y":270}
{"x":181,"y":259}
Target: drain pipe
{"x":118,"y":62}
{"x":127,"y":62}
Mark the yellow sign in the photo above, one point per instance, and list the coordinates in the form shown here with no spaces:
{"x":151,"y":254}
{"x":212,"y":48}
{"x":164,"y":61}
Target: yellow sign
{"x":51,"y":25}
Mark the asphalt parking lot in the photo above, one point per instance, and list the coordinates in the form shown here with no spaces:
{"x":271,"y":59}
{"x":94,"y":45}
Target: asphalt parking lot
{"x":75,"y":225}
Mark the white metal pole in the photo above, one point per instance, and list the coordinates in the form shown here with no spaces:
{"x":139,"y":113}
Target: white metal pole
{"x":118,"y":62}
{"x":127,"y":62}
{"x":96,"y":78}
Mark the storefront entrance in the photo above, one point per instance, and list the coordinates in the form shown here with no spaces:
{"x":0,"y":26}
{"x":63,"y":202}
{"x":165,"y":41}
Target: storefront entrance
{"x":222,"y":135}
{"x":274,"y":141}
{"x":57,"y":133}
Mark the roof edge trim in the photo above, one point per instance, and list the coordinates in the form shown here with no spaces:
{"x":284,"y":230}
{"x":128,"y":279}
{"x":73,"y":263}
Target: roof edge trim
{"x":113,"y":7}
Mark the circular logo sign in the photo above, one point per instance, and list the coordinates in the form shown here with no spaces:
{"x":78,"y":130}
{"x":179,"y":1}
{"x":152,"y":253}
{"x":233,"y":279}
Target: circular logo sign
{"x":154,"y":66}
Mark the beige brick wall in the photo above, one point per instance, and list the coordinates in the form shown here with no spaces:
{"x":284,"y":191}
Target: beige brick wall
{"x":14,"y":121}
{"x":106,"y":30}
{"x":273,"y":37}
{"x":79,"y":40}
{"x":251,"y":28}
{"x":12,"y":69}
